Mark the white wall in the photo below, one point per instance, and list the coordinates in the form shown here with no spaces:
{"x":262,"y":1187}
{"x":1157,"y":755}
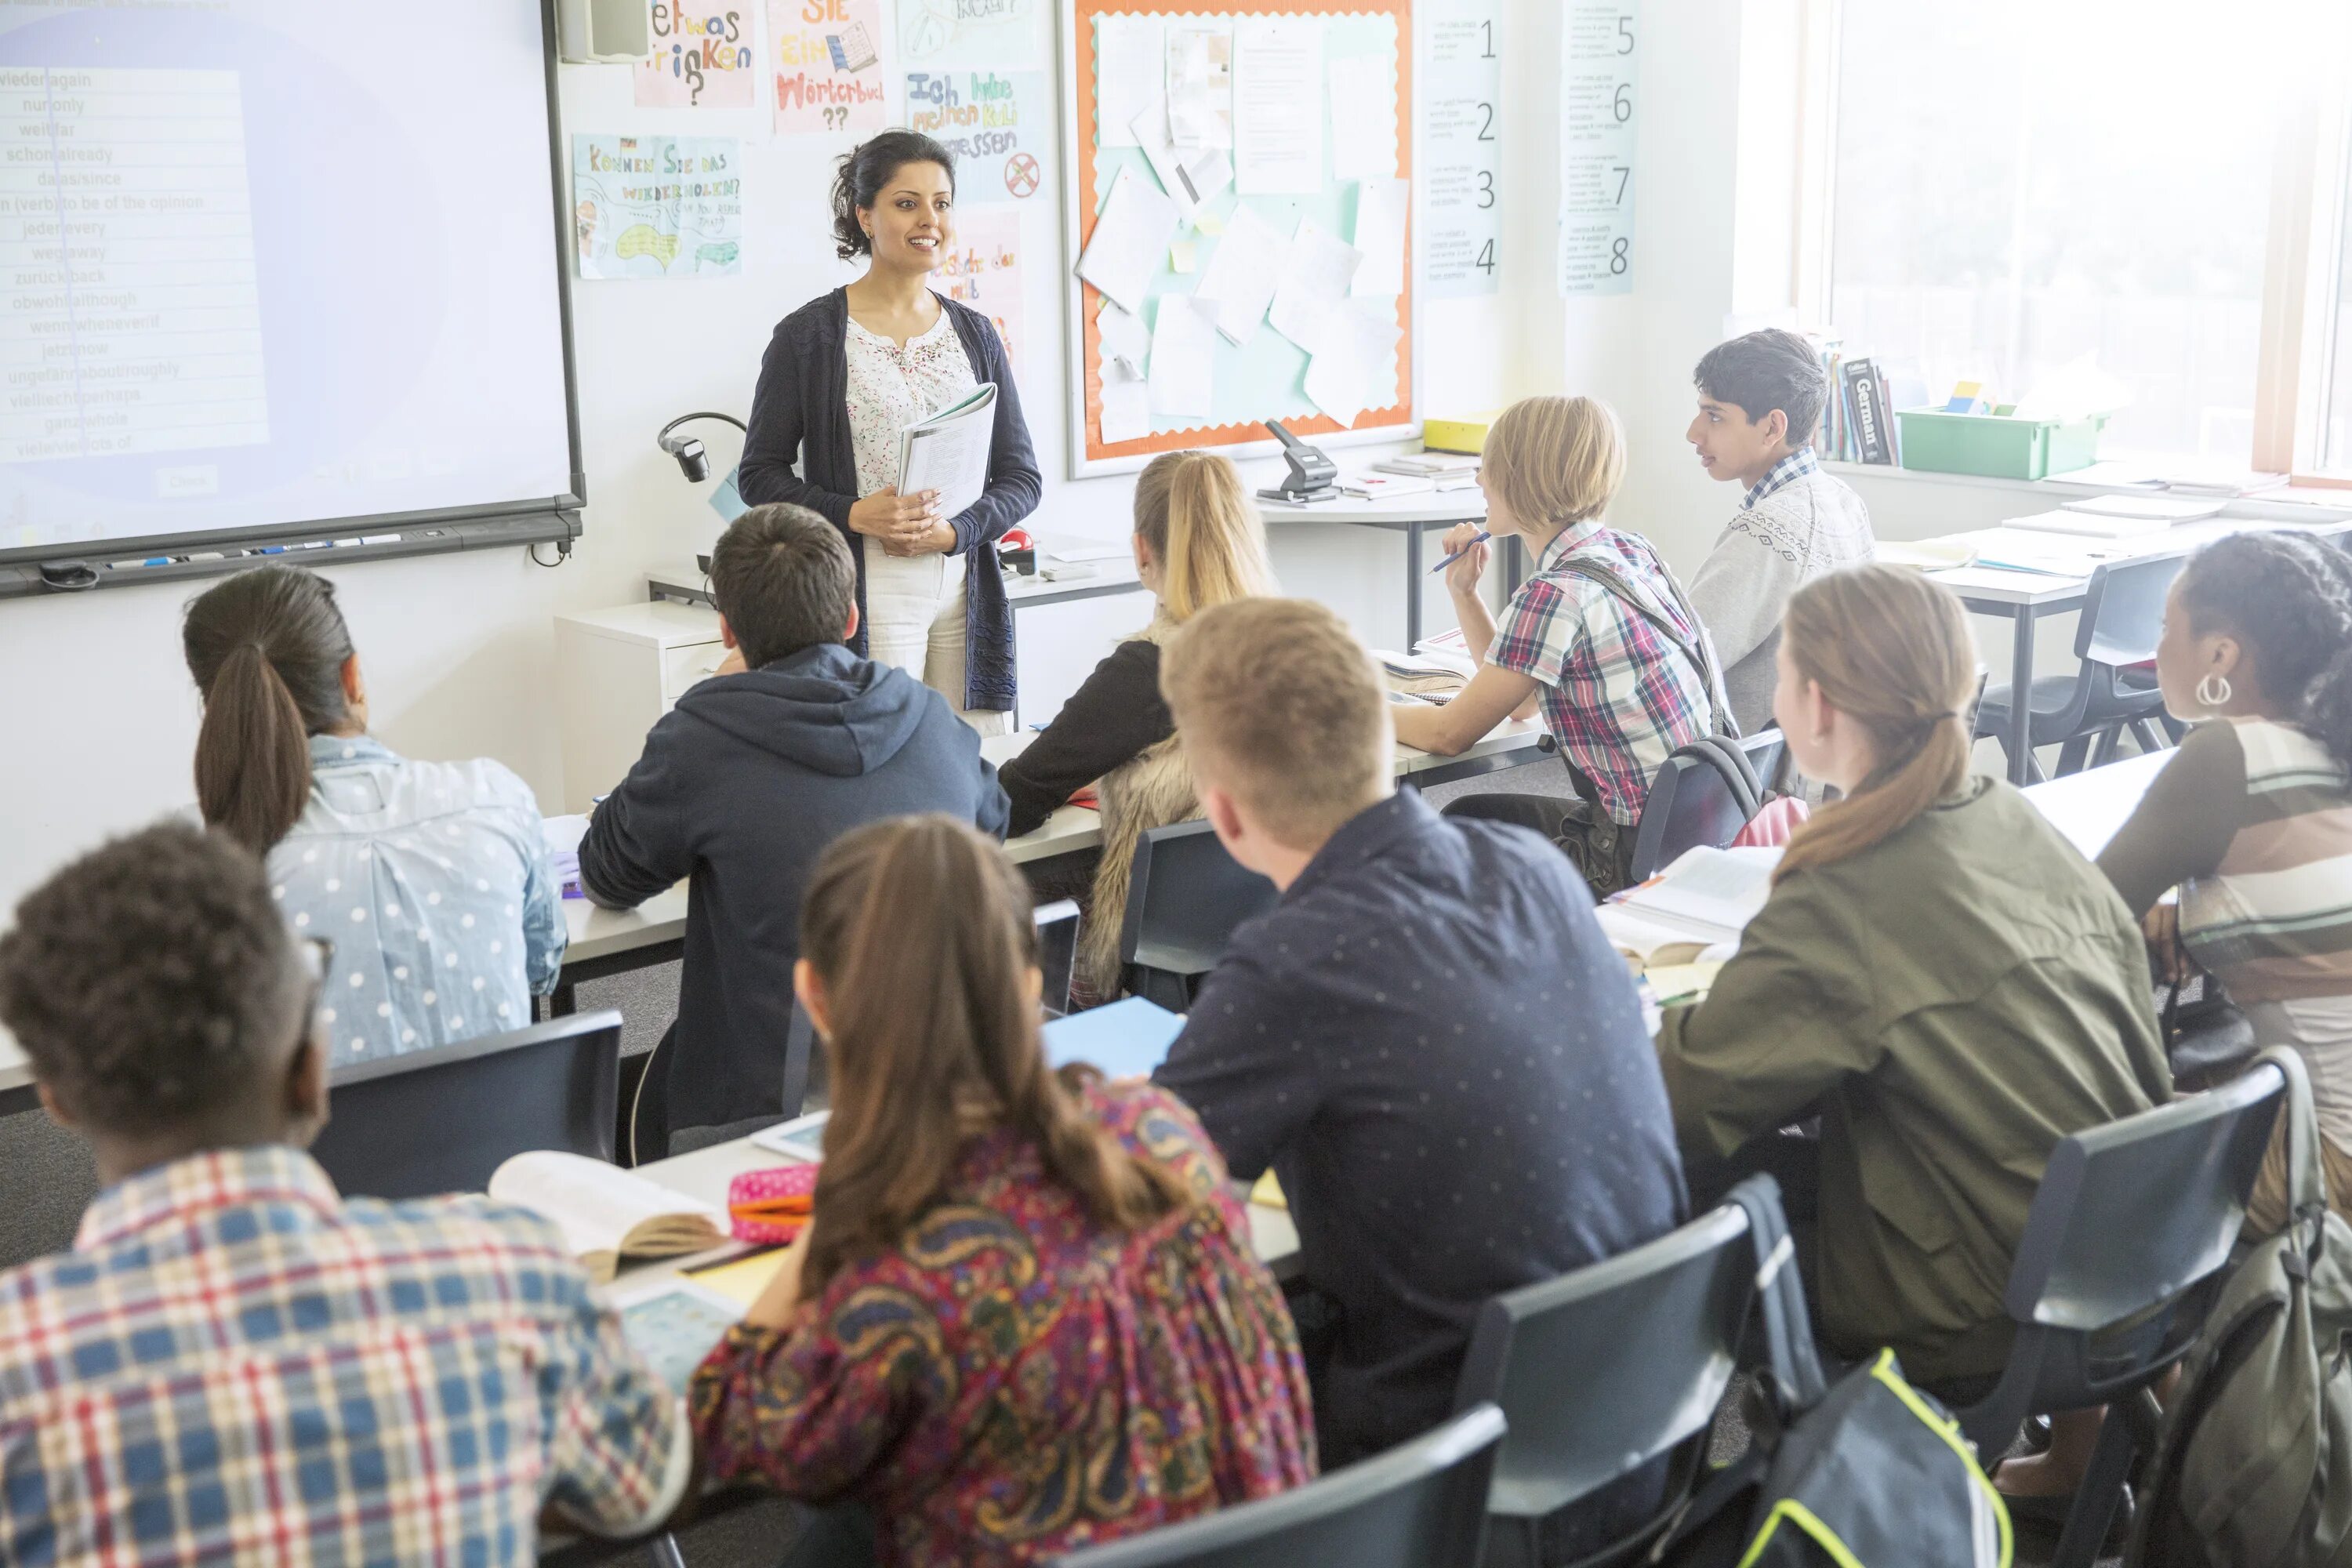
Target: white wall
{"x":97,"y":719}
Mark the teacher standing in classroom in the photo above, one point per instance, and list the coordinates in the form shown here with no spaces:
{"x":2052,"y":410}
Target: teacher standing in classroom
{"x":850,"y":369}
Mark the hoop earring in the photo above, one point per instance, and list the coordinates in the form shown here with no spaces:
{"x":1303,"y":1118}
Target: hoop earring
{"x":2213,"y":691}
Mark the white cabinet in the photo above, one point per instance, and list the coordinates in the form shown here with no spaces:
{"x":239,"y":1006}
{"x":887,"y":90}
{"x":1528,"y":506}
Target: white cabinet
{"x":618,"y":670}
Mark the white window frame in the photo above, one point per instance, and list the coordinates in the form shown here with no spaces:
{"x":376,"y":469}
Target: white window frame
{"x":2310,"y":221}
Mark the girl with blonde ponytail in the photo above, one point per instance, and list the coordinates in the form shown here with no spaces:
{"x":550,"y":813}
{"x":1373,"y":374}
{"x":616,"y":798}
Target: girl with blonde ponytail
{"x":1938,"y":975}
{"x":1198,"y":542}
{"x":1026,"y":1299}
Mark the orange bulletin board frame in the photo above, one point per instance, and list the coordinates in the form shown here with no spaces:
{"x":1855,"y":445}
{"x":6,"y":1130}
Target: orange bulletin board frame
{"x":1089,"y":453}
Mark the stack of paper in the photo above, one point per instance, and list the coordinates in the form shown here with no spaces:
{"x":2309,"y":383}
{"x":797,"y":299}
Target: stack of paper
{"x":1371,"y":487}
{"x":1430,"y":463}
{"x":2094,"y":525}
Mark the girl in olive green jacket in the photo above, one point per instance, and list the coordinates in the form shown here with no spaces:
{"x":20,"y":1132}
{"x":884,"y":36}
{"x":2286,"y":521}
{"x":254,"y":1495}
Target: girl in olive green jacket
{"x":1938,"y":976}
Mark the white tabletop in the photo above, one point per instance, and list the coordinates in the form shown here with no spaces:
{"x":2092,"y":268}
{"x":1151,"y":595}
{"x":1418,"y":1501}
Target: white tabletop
{"x":598,"y":933}
{"x":2088,"y":808}
{"x":1996,"y":585}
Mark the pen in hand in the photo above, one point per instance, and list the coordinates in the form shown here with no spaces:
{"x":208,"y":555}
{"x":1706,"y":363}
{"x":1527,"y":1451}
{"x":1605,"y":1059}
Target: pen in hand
{"x":1481,"y":537}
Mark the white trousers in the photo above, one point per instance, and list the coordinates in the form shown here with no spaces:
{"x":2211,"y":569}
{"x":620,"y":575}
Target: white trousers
{"x":915,"y":611}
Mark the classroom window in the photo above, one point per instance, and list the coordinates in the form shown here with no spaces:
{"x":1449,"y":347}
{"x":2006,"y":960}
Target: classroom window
{"x":2336,"y":418}
{"x":2021,"y":188}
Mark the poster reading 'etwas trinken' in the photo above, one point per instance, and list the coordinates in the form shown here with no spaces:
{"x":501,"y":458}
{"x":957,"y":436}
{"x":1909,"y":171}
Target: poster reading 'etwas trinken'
{"x":829,"y":76}
{"x":702,"y":58}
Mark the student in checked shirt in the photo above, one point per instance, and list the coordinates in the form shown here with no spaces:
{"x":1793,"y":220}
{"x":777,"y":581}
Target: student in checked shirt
{"x":1599,"y":638}
{"x":233,"y":1365}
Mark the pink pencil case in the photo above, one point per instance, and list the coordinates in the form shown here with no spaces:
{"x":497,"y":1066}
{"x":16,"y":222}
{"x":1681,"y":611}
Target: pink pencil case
{"x":768,"y":1208}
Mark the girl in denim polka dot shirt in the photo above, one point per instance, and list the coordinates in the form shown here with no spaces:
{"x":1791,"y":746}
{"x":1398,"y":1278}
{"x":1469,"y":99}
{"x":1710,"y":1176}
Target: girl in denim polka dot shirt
{"x":430,"y":879}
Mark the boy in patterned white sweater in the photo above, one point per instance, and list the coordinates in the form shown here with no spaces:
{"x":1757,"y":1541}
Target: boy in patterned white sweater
{"x":1760,"y":401}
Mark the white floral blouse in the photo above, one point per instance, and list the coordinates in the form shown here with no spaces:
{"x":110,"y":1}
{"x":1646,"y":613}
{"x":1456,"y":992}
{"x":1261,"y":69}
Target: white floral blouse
{"x":891,"y":387}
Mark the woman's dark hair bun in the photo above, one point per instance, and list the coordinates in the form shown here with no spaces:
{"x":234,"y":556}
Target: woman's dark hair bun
{"x":865,"y":169}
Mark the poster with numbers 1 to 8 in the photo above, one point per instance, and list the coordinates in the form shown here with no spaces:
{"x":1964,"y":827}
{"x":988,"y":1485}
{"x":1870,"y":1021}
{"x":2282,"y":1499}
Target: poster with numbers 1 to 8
{"x":1599,"y":111}
{"x":1462,"y":152}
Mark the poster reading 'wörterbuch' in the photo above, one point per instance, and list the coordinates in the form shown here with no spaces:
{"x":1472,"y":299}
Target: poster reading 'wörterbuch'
{"x":657,"y":206}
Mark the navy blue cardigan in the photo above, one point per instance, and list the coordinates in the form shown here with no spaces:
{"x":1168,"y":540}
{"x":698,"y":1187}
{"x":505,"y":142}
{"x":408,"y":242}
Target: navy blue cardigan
{"x":799,"y":415}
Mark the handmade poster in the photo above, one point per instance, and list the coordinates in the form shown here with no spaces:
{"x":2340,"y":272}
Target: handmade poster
{"x":983,"y":271}
{"x":999,"y":125}
{"x":657,"y":206}
{"x":829,"y":76}
{"x":702,"y":58}
{"x":971,"y":30}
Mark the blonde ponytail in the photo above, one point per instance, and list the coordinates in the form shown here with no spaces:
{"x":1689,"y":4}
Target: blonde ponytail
{"x":1194,"y":511}
{"x":1891,"y":651}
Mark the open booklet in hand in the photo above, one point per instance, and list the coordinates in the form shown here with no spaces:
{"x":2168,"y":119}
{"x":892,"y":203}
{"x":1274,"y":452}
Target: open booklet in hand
{"x":605,"y":1212}
{"x":949,"y":451}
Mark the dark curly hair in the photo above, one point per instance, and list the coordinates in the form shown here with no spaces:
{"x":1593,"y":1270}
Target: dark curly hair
{"x":1761,"y":370}
{"x":2288,"y":597}
{"x":153,"y":981}
{"x":865,"y":169}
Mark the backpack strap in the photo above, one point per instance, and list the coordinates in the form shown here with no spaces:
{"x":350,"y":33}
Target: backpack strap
{"x":2306,"y":1190}
{"x":1696,"y":650}
{"x":1788,"y":1331}
{"x":1731,"y":760}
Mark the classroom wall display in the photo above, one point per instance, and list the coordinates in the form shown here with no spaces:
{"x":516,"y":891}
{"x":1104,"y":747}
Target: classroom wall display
{"x":829,"y":75}
{"x":703,"y":56}
{"x":1599,"y":114}
{"x":1238,"y":209}
{"x":1462,"y":166}
{"x":1000,"y":126}
{"x":970,"y":32}
{"x":657,"y":206}
{"x":983,"y":271}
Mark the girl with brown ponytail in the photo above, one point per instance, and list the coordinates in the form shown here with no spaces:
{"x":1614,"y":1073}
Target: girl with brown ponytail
{"x":1026,"y":1315}
{"x":430,"y":879}
{"x":1937,"y":973}
{"x":1198,"y":542}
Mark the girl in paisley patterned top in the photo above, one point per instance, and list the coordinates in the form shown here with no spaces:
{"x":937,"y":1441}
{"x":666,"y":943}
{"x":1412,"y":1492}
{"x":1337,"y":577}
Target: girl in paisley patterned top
{"x":1026,"y":1316}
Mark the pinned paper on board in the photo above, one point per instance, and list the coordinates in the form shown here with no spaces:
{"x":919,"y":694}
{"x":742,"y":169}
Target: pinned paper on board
{"x":700,"y":61}
{"x":1129,"y":239}
{"x":1126,"y":409}
{"x":1244,"y":268}
{"x":1380,"y":208}
{"x":1182,"y":258}
{"x":1192,"y":177}
{"x":829,"y":76}
{"x":1184,"y":359}
{"x":1363,"y":119}
{"x":1130,"y":77}
{"x":1126,"y":341}
{"x":1199,"y":85}
{"x":1277,"y":113}
{"x":1316,"y":276}
{"x":1356,"y":369}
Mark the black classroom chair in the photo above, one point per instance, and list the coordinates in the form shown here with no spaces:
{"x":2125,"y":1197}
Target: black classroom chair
{"x":1184,"y":898}
{"x":2122,"y":618}
{"x":1422,"y":1504}
{"x":2132,"y":1223}
{"x":441,"y":1121}
{"x":1703,"y":793}
{"x":1604,"y":1372}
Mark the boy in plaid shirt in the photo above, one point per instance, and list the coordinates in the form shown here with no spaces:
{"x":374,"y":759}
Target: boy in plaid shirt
{"x":234,"y":1364}
{"x":1600,"y":639}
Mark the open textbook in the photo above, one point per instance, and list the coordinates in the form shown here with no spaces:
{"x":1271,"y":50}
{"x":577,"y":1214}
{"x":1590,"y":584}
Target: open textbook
{"x":606,"y":1213}
{"x":1693,"y":910}
{"x":949,"y":451}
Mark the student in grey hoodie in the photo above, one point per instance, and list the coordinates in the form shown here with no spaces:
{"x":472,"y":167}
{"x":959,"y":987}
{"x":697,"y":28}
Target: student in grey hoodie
{"x":743,"y":784}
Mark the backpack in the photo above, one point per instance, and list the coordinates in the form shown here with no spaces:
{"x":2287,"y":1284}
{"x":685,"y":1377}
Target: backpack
{"x":1864,"y":1472}
{"x":2252,"y":1467}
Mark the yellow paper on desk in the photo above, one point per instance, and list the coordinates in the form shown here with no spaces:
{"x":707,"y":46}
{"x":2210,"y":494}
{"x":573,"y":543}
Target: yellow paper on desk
{"x":742,"y":1280}
{"x":1677,"y":982}
{"x":1269,"y":1192}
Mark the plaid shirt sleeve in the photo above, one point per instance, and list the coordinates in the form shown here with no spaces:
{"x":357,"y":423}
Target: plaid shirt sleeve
{"x":619,"y":1450}
{"x":1540,"y":630}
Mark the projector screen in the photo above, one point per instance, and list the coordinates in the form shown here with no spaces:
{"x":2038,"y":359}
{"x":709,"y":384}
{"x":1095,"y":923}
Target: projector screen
{"x":274,"y":262}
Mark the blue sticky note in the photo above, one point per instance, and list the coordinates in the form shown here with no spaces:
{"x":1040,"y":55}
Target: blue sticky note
{"x":1126,"y":1039}
{"x":726,"y":500}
